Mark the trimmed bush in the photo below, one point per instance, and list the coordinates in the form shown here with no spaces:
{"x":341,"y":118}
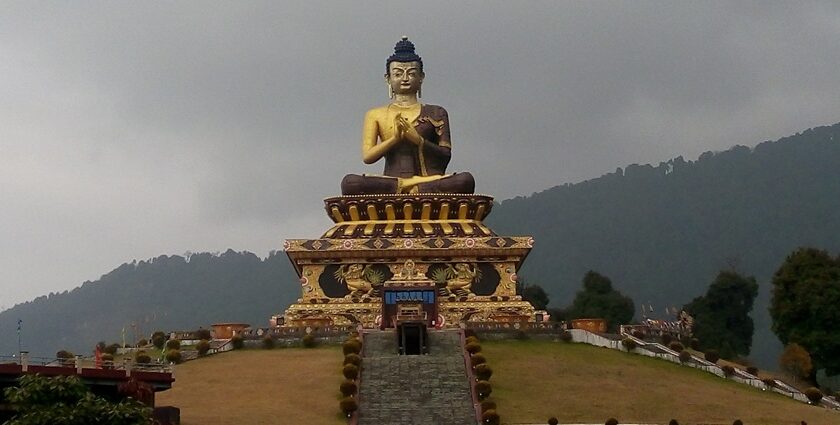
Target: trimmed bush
{"x":350,"y":371}
{"x":473,"y":348}
{"x":487,"y":405}
{"x":353,"y":359}
{"x":770,"y":382}
{"x":173,"y":356}
{"x":348,"y":388}
{"x":66,"y":358}
{"x":158,"y":339}
{"x":483,"y":389}
{"x":111,"y":349}
{"x":685,"y":356}
{"x":553,"y":421}
{"x":202,"y":347}
{"x":470,"y":339}
{"x":490,"y":417}
{"x":712,"y":356}
{"x":752,"y":370}
{"x":173,"y":344}
{"x":694,"y":344}
{"x":483,"y":372}
{"x":666,"y":339}
{"x":477,"y":359}
{"x":308,"y":341}
{"x":676,"y":346}
{"x":352,"y":345}
{"x":142,"y":358}
{"x":268,"y":342}
{"x":348,"y":405}
{"x":203,"y":334}
{"x":738,"y":422}
{"x":813,"y":394}
{"x":628,"y":344}
{"x":142,"y":343}
{"x":673,"y":422}
{"x":728,"y":370}
{"x":565,"y":336}
{"x":611,"y":421}
{"x":237,"y":342}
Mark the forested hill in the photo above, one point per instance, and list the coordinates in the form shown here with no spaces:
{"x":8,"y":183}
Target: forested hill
{"x":164,"y":293}
{"x":662,"y":233}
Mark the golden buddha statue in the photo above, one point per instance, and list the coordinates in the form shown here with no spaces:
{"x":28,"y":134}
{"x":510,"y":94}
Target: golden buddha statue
{"x":413,"y":138}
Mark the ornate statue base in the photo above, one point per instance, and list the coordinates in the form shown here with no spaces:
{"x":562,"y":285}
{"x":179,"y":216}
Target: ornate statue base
{"x":386,"y":252}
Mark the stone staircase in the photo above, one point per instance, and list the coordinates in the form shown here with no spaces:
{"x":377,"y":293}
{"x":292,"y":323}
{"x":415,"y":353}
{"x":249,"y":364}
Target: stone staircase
{"x":414,"y":390}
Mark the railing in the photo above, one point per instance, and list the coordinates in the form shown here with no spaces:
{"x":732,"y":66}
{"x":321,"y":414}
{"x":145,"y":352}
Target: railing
{"x":79,"y":363}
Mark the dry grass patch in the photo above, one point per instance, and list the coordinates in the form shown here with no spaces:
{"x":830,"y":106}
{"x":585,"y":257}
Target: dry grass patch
{"x":534,"y":380}
{"x":291,"y":386}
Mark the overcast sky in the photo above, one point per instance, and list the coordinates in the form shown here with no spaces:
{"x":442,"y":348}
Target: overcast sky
{"x":134,"y":129}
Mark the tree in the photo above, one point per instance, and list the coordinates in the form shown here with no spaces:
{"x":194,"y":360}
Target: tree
{"x":158,"y":339}
{"x":796,"y":361}
{"x":806,"y":293}
{"x":598,"y":299}
{"x":534,"y":294}
{"x":722,"y":319}
{"x":65,"y":400}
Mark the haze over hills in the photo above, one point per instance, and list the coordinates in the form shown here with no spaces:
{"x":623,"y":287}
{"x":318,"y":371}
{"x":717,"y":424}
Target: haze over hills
{"x":661,"y":233}
{"x":164,"y":293}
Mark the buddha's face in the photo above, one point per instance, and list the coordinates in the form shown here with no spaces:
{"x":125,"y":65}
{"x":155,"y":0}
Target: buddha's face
{"x":404,"y":77}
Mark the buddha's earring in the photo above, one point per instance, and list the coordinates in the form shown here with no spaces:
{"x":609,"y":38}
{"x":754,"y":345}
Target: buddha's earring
{"x":390,"y":92}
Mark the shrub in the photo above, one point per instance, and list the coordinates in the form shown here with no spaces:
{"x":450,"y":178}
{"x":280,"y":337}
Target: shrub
{"x":473,"y":348}
{"x":203,"y":334}
{"x":611,"y":421}
{"x":813,"y":394}
{"x":268,"y":342}
{"x":348,"y":388}
{"x":483,"y":372}
{"x":487,"y":405}
{"x":470,"y":339}
{"x":111,"y":349}
{"x":666,"y":339}
{"x":490,"y":417}
{"x":638,"y":334}
{"x":352,"y":345}
{"x":348,"y":405}
{"x":676,"y":346}
{"x":350,"y":371}
{"x":628,"y":344}
{"x":477,"y":359}
{"x":685,"y":356}
{"x":308,"y":341}
{"x":673,"y":422}
{"x":202,"y":347}
{"x":728,"y":370}
{"x":237,"y":342}
{"x":142,"y":358}
{"x":770,"y":382}
{"x":483,"y":389}
{"x":142,"y":343}
{"x":66,"y":358}
{"x":173,"y":356}
{"x":158,"y":339}
{"x":752,"y":370}
{"x":712,"y":356}
{"x":565,"y":336}
{"x":353,"y":359}
{"x":173,"y":344}
{"x":553,"y":421}
{"x":694,"y":344}
{"x":738,"y":422}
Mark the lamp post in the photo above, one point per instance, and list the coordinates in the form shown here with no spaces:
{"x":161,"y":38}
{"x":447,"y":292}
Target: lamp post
{"x":20,"y":346}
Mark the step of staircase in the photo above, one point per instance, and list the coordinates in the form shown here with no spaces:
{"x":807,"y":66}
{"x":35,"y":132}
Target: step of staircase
{"x":414,"y":390}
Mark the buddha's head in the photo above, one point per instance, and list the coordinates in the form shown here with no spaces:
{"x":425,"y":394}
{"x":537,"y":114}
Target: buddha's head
{"x":404,"y":69}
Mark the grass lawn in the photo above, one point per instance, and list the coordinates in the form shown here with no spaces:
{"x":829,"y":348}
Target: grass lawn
{"x":534,"y":380}
{"x":284,"y":385}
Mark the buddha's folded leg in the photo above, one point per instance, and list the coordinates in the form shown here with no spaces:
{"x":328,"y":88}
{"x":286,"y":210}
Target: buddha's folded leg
{"x":354,"y":184}
{"x":455,"y":183}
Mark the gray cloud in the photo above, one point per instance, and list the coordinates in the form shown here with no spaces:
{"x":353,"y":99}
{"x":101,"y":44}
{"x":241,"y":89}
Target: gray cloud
{"x":130,"y":130}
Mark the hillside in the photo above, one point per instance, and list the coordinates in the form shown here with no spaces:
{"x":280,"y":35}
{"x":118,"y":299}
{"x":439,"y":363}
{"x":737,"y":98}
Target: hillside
{"x":662,"y":233}
{"x":532,"y":381}
{"x":164,"y":293}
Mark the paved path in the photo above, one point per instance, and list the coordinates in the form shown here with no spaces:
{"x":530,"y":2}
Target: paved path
{"x":429,"y":389}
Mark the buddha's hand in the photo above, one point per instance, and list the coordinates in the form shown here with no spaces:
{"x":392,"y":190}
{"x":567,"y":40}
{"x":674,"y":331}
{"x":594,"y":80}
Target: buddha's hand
{"x":407,"y":131}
